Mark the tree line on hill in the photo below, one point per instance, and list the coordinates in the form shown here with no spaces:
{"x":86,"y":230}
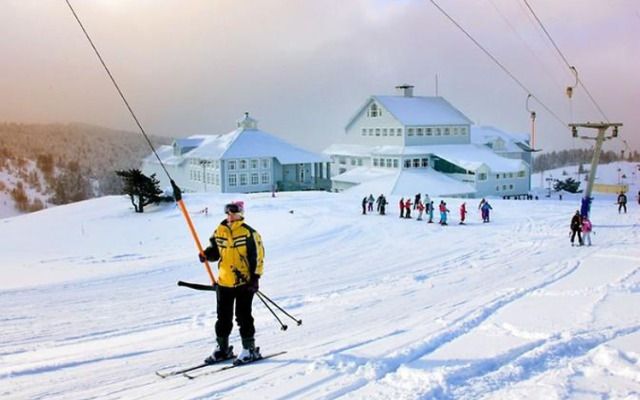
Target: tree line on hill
{"x":580,"y":157}
{"x":66,"y":163}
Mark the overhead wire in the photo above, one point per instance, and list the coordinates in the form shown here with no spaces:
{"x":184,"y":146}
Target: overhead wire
{"x":495,"y":60}
{"x":540,"y":33}
{"x":124,"y":99}
{"x":565,"y":59}
{"x":524,"y":42}
{"x":176,"y":190}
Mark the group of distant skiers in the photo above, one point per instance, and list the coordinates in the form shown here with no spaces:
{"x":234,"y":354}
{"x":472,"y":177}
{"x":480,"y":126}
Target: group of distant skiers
{"x":423,"y":206}
{"x":381,"y":204}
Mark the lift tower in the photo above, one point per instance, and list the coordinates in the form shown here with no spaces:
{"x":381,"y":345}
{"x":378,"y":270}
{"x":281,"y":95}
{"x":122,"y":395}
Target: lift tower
{"x":600,"y":138}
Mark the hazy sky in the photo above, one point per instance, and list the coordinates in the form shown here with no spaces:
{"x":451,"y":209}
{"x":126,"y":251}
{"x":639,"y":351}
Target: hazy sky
{"x":302,"y":68}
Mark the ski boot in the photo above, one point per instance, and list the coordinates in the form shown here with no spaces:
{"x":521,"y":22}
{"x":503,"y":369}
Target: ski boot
{"x":249,"y":352}
{"x":222,"y":352}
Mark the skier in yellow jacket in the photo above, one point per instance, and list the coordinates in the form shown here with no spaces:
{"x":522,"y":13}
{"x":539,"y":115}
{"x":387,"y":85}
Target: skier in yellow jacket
{"x":238,"y":249}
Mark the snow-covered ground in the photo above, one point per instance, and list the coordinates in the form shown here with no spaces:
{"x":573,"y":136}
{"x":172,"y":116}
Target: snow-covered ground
{"x":391,"y":308}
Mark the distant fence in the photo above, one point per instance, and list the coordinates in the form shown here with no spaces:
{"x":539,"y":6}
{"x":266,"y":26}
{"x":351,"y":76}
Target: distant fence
{"x":603,"y":188}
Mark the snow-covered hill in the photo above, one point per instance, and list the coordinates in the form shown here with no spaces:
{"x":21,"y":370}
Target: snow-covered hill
{"x":391,"y":308}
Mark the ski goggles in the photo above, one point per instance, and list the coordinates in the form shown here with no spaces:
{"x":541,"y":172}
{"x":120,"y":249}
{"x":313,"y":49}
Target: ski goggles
{"x":232,"y":208}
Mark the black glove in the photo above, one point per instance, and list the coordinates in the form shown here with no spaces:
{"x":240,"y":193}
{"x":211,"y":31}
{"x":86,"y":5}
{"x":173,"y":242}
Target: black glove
{"x":202,"y":257}
{"x":254,"y":284}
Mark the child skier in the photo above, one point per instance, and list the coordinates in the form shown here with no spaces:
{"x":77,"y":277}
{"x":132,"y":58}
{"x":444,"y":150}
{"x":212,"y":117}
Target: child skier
{"x":586,"y":230}
{"x":420,"y":210}
{"x":463,"y":212}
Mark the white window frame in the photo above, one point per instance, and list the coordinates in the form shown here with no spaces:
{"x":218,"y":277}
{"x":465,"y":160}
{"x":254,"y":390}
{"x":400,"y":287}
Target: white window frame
{"x":374,"y":111}
{"x":232,"y":180}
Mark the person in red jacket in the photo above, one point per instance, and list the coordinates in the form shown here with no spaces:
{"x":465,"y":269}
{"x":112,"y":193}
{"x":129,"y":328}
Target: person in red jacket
{"x":420,"y":208}
{"x":463,"y":212}
{"x":407,"y":208}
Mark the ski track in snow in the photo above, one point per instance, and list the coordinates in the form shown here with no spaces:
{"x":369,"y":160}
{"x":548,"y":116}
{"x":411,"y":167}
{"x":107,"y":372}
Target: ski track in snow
{"x":375,"y":318}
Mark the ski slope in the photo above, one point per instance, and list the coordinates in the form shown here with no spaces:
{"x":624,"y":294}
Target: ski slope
{"x":391,"y":308}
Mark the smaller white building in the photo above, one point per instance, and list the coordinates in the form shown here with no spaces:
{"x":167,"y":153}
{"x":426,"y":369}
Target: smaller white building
{"x":401,"y":141}
{"x":245,"y":160}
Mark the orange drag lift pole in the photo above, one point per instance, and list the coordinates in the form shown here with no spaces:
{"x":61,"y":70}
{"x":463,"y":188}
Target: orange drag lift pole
{"x":177,"y":193}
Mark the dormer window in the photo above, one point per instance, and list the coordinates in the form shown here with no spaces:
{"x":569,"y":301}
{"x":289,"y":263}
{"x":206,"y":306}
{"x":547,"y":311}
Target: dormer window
{"x":374,"y":111}
{"x":498,"y":144}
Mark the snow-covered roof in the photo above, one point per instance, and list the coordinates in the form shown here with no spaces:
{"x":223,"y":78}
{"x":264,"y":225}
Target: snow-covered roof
{"x":423,"y":110}
{"x":188,"y":142}
{"x":467,"y":156}
{"x":418,"y":110}
{"x":246,"y":143}
{"x":482,"y":135}
{"x":166,"y":155}
{"x":472,"y":156}
{"x":349,"y":150}
{"x":402,"y":182}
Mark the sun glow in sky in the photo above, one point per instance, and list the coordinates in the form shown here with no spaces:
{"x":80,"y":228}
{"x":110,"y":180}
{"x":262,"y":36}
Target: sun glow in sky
{"x":303,"y":68}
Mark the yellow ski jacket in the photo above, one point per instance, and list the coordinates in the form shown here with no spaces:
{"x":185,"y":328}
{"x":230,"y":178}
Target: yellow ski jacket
{"x":238,"y":249}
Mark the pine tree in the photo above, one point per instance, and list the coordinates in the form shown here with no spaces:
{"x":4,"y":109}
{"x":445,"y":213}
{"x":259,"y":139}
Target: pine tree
{"x":141,"y":189}
{"x":569,"y":185}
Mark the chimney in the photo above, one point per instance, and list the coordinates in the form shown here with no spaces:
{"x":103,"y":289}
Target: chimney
{"x":404,"y":90}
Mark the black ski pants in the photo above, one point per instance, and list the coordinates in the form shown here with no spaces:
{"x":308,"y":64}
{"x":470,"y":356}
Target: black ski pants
{"x":573,"y":236}
{"x":242,"y":298}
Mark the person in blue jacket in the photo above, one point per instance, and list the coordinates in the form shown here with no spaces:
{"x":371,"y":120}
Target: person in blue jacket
{"x":486,"y":207}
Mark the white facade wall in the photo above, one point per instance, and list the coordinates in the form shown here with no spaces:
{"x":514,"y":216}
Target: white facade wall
{"x":377,"y":130}
{"x":503,"y":184}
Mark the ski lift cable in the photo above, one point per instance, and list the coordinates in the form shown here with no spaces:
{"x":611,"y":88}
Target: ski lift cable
{"x":565,"y":60}
{"x":558,"y":62}
{"x":177,"y":193}
{"x":524,"y":42}
{"x":495,"y":60}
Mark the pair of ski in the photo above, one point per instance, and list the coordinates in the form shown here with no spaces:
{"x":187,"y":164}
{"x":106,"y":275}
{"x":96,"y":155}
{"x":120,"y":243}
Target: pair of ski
{"x":189,"y":371}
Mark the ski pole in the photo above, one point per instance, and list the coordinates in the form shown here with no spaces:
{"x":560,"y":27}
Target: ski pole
{"x":282,"y":326}
{"x":261,"y":295}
